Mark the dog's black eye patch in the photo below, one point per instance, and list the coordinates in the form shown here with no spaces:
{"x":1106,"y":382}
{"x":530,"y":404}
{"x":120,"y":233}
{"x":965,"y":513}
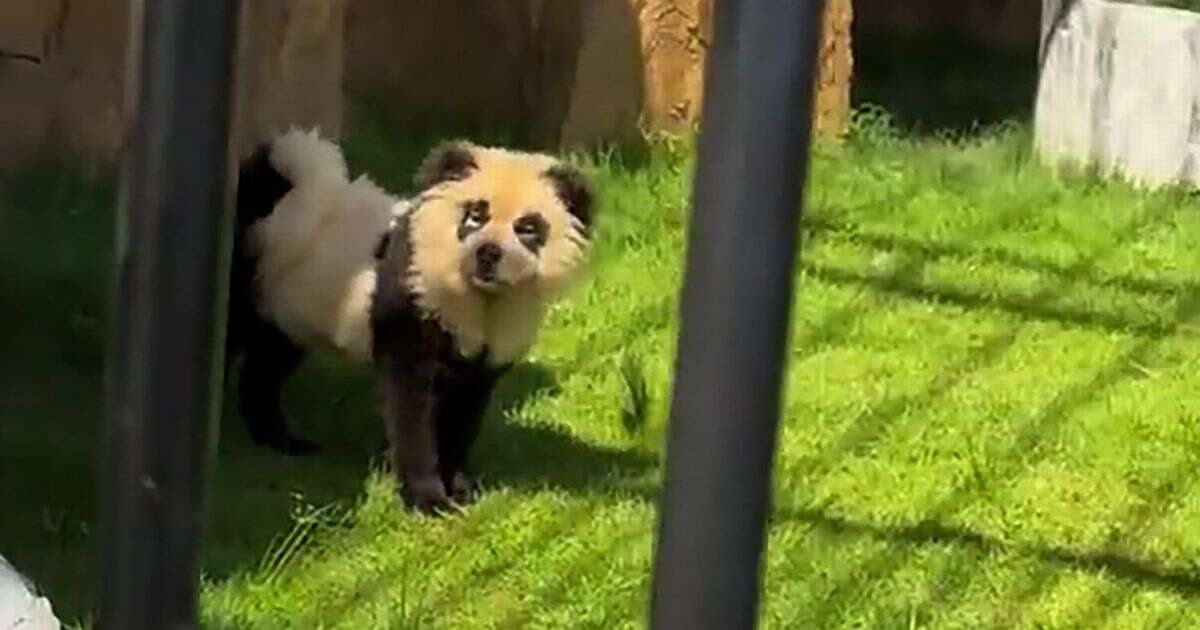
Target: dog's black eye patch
{"x":532,"y":230}
{"x":476,"y":214}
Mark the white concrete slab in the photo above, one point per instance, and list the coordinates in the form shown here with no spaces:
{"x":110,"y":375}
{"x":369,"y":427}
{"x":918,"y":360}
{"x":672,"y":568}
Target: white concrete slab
{"x":1120,"y":90}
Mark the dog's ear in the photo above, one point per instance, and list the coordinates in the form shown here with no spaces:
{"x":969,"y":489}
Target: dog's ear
{"x":448,"y":161}
{"x":574,"y":191}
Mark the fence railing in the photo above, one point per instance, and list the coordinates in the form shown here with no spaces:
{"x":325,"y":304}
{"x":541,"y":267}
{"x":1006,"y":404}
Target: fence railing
{"x":172,"y":262}
{"x":742,"y":241}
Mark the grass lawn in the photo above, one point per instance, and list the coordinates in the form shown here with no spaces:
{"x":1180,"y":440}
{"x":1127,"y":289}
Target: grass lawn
{"x":991,"y":416}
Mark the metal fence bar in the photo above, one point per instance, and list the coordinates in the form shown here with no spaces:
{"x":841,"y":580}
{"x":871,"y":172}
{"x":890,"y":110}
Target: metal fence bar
{"x":735,"y":310}
{"x":172,"y":260}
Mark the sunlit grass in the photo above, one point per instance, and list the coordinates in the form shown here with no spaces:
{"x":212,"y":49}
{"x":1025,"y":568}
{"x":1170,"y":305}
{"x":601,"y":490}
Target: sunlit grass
{"x":991,"y":415}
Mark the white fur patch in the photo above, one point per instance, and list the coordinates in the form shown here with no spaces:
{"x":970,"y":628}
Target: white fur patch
{"x":316,"y":271}
{"x":304,"y":156}
{"x":352,"y":325}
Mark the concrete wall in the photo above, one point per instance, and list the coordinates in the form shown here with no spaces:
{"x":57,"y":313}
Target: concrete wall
{"x":1120,"y":90}
{"x":290,"y":67}
{"x":558,"y":72}
{"x":63,"y":73}
{"x":561,"y":71}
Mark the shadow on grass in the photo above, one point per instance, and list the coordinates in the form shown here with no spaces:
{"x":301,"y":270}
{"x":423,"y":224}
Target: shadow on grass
{"x":56,"y":226}
{"x":255,"y":494}
{"x":1031,"y":308}
{"x":1023,"y":454}
{"x":907,"y":281}
{"x":1144,"y":573}
{"x":1042,"y":428}
{"x":55,"y":231}
{"x":1080,"y":272}
{"x":541,"y":455}
{"x":526,"y":457}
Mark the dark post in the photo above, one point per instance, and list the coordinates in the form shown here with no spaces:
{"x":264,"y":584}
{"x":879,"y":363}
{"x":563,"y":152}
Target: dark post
{"x":736,"y":300}
{"x":172,"y":260}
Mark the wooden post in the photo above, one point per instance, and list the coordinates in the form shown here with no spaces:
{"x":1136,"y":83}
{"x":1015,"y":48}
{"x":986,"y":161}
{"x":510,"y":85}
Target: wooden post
{"x":832,"y":109}
{"x":675,"y":39}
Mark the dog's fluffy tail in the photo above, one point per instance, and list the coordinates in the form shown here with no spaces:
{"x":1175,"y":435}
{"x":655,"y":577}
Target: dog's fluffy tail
{"x":304,"y":158}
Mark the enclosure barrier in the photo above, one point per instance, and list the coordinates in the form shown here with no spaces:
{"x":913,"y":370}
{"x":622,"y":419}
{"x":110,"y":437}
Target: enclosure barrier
{"x":172,"y":264}
{"x":734,"y":312}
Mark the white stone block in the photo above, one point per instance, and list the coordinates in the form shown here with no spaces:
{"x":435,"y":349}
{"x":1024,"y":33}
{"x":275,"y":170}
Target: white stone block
{"x":1119,"y":90}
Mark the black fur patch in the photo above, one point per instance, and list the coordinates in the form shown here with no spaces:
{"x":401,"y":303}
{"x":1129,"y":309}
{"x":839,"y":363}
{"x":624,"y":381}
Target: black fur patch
{"x":449,"y":161}
{"x":382,"y":245}
{"x":475,"y":216}
{"x":532,"y":230}
{"x":435,"y":400}
{"x":270,"y":358}
{"x":573,"y":190}
{"x":259,"y":187}
{"x":269,"y":355}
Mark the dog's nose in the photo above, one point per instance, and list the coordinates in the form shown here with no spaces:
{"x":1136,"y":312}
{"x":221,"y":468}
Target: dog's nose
{"x":487,"y":256}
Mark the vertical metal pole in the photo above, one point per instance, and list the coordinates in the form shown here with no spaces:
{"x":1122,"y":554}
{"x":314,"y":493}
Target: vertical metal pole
{"x":736,"y":299}
{"x":172,"y":262}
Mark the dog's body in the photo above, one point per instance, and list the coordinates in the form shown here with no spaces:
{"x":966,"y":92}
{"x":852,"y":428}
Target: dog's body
{"x":440,"y":293}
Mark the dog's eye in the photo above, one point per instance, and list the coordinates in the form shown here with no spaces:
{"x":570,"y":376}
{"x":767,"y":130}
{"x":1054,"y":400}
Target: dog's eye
{"x":531,"y":230}
{"x":475,"y":216}
{"x":475,"y":213}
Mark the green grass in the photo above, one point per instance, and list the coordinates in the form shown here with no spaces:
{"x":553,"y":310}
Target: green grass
{"x":991,"y":415}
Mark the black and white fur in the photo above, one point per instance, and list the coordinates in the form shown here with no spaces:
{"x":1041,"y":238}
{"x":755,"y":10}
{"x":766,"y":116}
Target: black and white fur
{"x":440,"y":293}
